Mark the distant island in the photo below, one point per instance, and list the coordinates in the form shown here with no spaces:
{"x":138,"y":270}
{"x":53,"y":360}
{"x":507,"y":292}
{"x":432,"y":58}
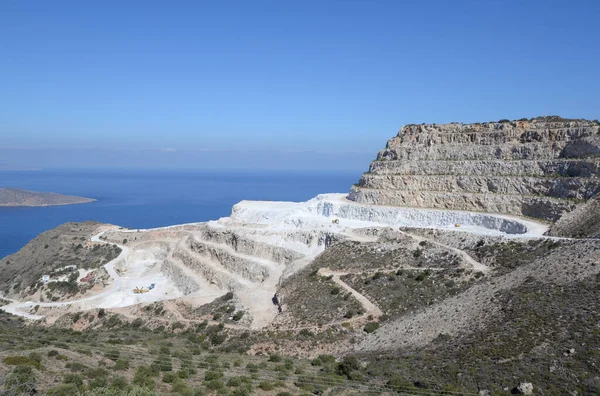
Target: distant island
{"x":17,"y":197}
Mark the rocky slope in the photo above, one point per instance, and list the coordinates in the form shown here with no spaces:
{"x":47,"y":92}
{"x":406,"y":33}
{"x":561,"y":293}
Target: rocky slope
{"x":59,"y":253}
{"x":538,"y":168}
{"x":18,"y":197}
{"x":583,"y":222}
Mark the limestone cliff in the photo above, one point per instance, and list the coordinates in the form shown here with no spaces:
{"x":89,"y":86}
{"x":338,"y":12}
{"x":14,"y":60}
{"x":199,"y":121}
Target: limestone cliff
{"x":540,"y":168}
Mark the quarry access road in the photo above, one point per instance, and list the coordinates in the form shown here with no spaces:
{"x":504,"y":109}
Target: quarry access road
{"x":477,"y":266}
{"x":15,"y":307}
{"x":371,"y":308}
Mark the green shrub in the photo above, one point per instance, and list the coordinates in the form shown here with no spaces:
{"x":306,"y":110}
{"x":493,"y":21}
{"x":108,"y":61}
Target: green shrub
{"x":36,"y":356}
{"x":76,"y":367}
{"x":211,"y":375}
{"x":137,"y":323}
{"x":377,"y":275}
{"x":143,"y":377}
{"x":274,"y":358}
{"x":228,"y":296}
{"x":421,"y":277}
{"x":214,"y":384}
{"x":218,"y":339}
{"x":52,"y":352}
{"x":74,"y":379}
{"x":21,"y":380}
{"x":246,"y":390}
{"x":234,"y":381}
{"x":98,"y":372}
{"x":289,"y":364}
{"x":177,"y":325}
{"x":112,"y":354}
{"x":84,"y":351}
{"x":180,"y":387}
{"x":121,"y":364}
{"x":98,"y":383}
{"x":347,"y":366}
{"x":371,"y":327}
{"x":164,"y":363}
{"x":266,"y":385}
{"x":62,"y":390}
{"x":238,"y":315}
{"x":21,"y":361}
{"x":135,"y":391}
{"x":165,"y":350}
{"x":168,"y":377}
{"x":399,"y":383}
{"x":120,"y":382}
{"x":322,"y":360}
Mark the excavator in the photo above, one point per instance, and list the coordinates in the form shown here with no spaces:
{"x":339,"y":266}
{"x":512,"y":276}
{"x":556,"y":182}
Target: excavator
{"x":138,"y":290}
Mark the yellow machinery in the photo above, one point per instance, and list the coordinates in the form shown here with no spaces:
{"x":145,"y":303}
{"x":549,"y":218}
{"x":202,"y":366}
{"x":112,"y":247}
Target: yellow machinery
{"x":138,"y":290}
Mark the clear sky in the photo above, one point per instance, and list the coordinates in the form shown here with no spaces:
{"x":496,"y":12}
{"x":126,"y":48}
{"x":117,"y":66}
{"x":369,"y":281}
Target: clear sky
{"x":282,"y":76}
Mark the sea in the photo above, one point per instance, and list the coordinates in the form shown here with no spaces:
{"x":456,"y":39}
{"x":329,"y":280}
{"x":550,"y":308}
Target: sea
{"x":152,"y":198}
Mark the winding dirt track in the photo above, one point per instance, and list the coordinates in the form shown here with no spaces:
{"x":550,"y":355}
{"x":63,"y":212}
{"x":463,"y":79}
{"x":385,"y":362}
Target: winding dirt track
{"x":477,"y":266}
{"x":371,"y":309}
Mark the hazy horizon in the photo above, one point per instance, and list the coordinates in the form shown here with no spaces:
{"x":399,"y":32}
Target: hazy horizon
{"x":311,"y":84}
{"x":183,"y":159}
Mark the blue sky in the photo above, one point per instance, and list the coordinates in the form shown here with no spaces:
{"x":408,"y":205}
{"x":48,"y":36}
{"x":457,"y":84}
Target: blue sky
{"x":281,"y":76}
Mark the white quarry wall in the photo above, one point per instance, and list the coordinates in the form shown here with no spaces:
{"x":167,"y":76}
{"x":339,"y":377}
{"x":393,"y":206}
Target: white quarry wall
{"x":320,"y":211}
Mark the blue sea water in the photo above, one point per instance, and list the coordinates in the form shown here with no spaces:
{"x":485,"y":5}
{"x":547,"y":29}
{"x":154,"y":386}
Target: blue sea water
{"x":152,"y":198}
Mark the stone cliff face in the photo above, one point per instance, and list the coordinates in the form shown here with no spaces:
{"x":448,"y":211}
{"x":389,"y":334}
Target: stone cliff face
{"x":540,"y":168}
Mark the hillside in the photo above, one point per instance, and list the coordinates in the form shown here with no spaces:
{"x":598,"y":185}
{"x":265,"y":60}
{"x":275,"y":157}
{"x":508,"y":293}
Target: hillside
{"x":60,"y":253}
{"x":336,"y":296}
{"x":583,"y":222}
{"x":18,"y":197}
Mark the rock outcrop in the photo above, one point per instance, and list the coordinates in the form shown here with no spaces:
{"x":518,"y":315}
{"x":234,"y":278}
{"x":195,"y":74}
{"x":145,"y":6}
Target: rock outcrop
{"x":540,"y":168}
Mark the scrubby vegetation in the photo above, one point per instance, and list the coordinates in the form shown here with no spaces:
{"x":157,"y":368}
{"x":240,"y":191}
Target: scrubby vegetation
{"x":404,"y":291}
{"x":314,"y":299}
{"x":58,"y":252}
{"x":506,"y":256}
{"x":147,"y":362}
{"x":547,"y":335}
